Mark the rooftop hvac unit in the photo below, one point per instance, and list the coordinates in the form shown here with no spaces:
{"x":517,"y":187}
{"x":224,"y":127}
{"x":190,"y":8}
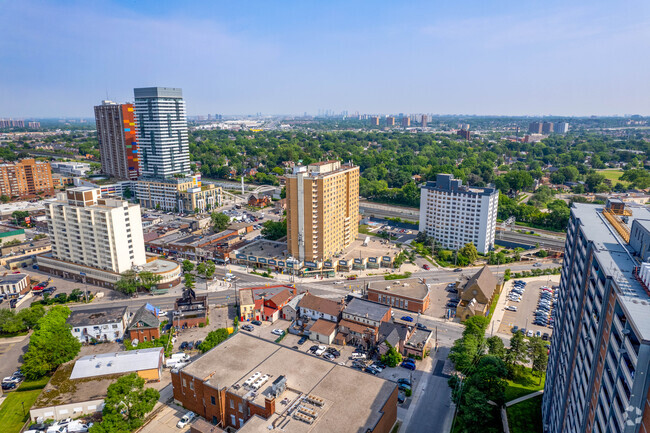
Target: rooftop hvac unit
{"x":303,"y":418}
{"x":308,"y":411}
{"x":279,"y":385}
{"x":259,"y":382}
{"x":252,"y":379}
{"x":315,"y":400}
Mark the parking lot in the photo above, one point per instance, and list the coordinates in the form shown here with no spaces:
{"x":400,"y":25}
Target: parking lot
{"x":524,"y":316}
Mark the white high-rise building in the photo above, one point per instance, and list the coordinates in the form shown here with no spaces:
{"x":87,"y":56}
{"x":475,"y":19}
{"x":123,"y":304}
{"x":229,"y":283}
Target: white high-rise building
{"x":161,"y":124}
{"x":455,"y":214}
{"x":99,"y":232}
{"x":561,"y":128}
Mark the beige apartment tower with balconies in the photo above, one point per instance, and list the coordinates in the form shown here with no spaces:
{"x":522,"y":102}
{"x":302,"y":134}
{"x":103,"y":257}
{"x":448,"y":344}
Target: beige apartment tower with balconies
{"x":322,"y":209}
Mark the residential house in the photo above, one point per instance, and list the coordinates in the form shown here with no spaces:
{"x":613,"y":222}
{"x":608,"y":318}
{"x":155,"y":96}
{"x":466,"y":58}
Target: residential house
{"x":259,"y":200}
{"x":360,"y":322}
{"x":315,"y":307}
{"x":145,"y":326}
{"x":476,"y":294}
{"x":322,"y":331}
{"x":98,"y":324}
{"x":265,"y":303}
{"x":290,"y":310}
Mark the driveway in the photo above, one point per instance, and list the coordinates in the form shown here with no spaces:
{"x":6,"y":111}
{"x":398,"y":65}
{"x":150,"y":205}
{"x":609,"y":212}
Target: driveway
{"x":11,"y":352}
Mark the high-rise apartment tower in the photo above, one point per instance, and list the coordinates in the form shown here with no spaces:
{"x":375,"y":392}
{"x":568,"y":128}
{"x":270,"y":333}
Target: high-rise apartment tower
{"x":322,"y":209}
{"x":118,"y":147}
{"x":456,"y":214}
{"x":162,"y":132}
{"x":598,"y":377}
{"x":98,"y":232}
{"x":26,"y":177}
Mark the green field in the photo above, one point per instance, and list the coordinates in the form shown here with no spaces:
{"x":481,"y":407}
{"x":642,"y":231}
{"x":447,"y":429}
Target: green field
{"x":526,"y":417}
{"x":614,"y":175}
{"x":12,"y":416}
{"x":524,"y":383}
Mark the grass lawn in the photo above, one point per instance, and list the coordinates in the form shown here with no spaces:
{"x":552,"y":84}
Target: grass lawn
{"x":526,"y":417}
{"x":613,"y":175}
{"x":524,"y":383}
{"x":493,"y":306}
{"x":12,"y":417}
{"x":15,"y":334}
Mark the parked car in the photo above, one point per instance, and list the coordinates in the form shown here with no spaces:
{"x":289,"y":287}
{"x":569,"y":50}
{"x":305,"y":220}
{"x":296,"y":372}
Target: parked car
{"x":320,"y":350}
{"x":511,"y":308}
{"x":404,"y":387}
{"x":187,"y":418}
{"x":401,"y":397}
{"x":407,"y":318}
{"x":248,"y":328}
{"x":190,"y":345}
{"x":458,"y":270}
{"x":408,"y":365}
{"x":278,"y":332}
{"x":302,"y":340}
{"x":6,"y":386}
{"x":256,"y":322}
{"x":426,"y":267}
{"x":405,"y":381}
{"x":529,"y":333}
{"x":421,"y":326}
{"x":358,"y":355}
{"x":184,"y":345}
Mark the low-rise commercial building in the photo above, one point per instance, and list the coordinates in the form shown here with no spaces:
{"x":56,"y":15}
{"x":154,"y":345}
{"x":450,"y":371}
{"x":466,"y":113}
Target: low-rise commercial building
{"x":410,"y":294}
{"x":247,"y":384}
{"x":186,"y":194}
{"x":147,"y":363}
{"x":315,"y":308}
{"x":12,"y":285}
{"x":360,"y":322}
{"x":265,"y":303}
{"x":190,"y":310}
{"x":98,"y":324}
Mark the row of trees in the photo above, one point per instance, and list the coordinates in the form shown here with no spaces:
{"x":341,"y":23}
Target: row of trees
{"x":484,"y":365}
{"x":133,"y":281}
{"x":205,"y":269}
{"x":26,"y":319}
{"x":51,"y":344}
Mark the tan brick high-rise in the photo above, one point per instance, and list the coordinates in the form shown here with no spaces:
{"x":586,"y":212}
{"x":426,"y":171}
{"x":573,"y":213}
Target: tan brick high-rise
{"x":25,"y":178}
{"x":322,"y":209}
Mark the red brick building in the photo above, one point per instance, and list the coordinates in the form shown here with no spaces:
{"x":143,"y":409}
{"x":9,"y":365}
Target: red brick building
{"x":259,"y":200}
{"x":240,"y":384}
{"x":410,"y":294}
{"x":144,"y":326}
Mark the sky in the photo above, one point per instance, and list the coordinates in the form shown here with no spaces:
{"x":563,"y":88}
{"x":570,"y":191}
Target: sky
{"x":496,"y":57}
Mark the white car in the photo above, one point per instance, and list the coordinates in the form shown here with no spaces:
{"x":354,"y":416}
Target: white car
{"x":277,"y":332}
{"x":511,"y":308}
{"x":529,"y":333}
{"x":320,"y":351}
{"x":187,"y":418}
{"x":376,"y":367}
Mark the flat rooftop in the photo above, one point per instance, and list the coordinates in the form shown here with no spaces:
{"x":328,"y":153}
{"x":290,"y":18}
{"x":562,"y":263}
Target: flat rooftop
{"x":265,"y":248}
{"x":63,"y":390}
{"x":353,"y":400}
{"x":117,"y":363}
{"x":12,"y":278}
{"x":96,"y":316}
{"x":617,"y":260}
{"x":160,"y":265}
{"x":411,"y":288}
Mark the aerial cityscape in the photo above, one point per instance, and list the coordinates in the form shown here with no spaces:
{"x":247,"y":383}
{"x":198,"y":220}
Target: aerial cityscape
{"x":315,"y":218}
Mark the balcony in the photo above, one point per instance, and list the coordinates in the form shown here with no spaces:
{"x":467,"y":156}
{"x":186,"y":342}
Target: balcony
{"x":630,"y":350}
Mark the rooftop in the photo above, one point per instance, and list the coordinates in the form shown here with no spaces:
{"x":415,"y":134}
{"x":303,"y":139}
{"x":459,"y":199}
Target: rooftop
{"x":323,"y":305}
{"x":265,"y":248}
{"x":12,"y":278}
{"x":322,"y":326}
{"x":413,"y":288}
{"x":159,"y":266}
{"x":96,"y":316}
{"x":617,"y":260}
{"x":117,"y":363}
{"x":447,"y":183}
{"x":246,"y":355}
{"x":363,"y":308}
{"x":63,"y":390}
{"x":145,"y":316}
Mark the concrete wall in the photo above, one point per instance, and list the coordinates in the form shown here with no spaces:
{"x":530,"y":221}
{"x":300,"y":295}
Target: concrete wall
{"x":72,"y":410}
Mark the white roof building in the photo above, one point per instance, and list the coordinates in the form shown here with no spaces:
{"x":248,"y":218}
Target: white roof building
{"x":143,"y":361}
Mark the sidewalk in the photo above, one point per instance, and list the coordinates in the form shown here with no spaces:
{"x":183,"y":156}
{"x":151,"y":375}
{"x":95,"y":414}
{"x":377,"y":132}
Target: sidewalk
{"x":524,"y":398}
{"x":426,"y":375}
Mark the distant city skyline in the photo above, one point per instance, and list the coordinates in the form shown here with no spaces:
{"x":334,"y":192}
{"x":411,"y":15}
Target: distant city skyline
{"x":60,"y":59}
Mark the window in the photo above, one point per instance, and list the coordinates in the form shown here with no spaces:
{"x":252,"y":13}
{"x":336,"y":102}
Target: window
{"x":232,"y":419}
{"x":232,"y":406}
{"x":241,"y":410}
{"x":212,"y":400}
{"x":191,"y":383}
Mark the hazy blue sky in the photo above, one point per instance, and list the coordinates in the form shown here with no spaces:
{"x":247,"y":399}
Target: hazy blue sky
{"x":59,"y":58}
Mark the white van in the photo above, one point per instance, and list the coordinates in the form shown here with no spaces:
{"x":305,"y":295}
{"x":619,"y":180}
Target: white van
{"x":356,"y":355}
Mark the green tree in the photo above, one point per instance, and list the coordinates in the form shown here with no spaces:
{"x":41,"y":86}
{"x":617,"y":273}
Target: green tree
{"x":474,"y":410}
{"x":391,"y":358}
{"x":5,"y":198}
{"x":538,"y":354}
{"x":464,"y":352}
{"x":469,"y":251}
{"x":51,"y":344}
{"x":220,"y":221}
{"x":210,"y":268}
{"x":496,"y":347}
{"x":19,"y":216}
{"x":517,"y":352}
{"x":283,"y":192}
{"x":149,"y":280}
{"x":476,"y":326}
{"x":489,"y":378}
{"x":213,"y":339}
{"x":200,"y":268}
{"x":126,"y":404}
{"x":189,"y":281}
{"x":274,"y":230}
{"x":128,"y":283}
{"x":187,"y":266}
